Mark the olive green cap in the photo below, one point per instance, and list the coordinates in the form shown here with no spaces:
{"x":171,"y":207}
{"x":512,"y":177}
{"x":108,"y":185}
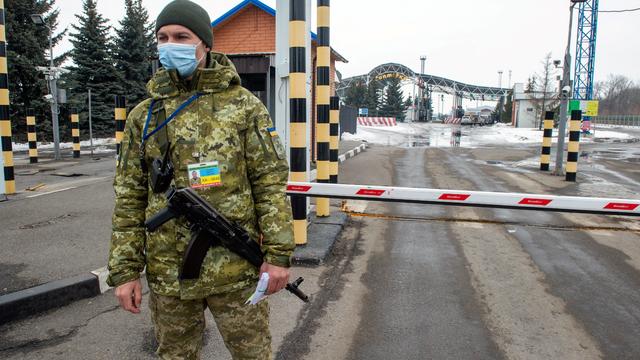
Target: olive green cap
{"x":190,"y":15}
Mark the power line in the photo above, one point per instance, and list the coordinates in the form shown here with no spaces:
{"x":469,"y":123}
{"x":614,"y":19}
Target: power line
{"x":619,"y":11}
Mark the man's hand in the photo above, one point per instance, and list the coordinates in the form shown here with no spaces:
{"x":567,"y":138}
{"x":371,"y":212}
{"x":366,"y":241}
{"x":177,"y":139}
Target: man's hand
{"x":130,"y":296}
{"x":278,"y":277}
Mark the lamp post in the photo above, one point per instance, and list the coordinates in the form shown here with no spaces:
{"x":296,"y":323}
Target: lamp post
{"x":565,"y":93}
{"x":423,"y":59}
{"x":52,"y":76}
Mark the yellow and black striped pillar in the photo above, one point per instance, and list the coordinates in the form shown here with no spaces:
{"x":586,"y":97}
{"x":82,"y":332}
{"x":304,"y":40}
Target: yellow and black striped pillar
{"x":574,"y":145}
{"x":31,"y":136}
{"x":75,"y":132}
{"x":298,"y":113}
{"x":323,"y":98}
{"x":5,"y":122}
{"x":545,"y":158}
{"x":121,"y":118}
{"x":335,"y":139}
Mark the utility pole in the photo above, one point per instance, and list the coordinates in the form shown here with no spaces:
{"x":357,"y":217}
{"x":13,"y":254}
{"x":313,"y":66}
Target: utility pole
{"x":565,"y":93}
{"x":500,"y":78}
{"x":509,"y":79}
{"x":52,"y":76}
{"x":90,"y":123}
{"x":423,"y":59}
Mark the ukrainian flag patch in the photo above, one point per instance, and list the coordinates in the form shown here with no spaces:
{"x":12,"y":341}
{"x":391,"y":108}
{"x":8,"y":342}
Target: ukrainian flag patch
{"x":272,"y":131}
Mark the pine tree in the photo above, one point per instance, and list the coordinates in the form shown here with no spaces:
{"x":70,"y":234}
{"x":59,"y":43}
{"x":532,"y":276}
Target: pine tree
{"x":356,"y":95}
{"x":408,"y":102}
{"x":134,"y":50}
{"x":94,"y":69}
{"x":392,"y":103}
{"x":508,"y":108}
{"x":373,"y":99}
{"x":28,"y":48}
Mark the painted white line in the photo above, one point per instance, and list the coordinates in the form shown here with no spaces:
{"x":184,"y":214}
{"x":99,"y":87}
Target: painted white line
{"x":51,"y":192}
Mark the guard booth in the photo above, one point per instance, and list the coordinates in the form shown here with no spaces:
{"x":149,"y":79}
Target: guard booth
{"x":247,"y":35}
{"x":258,"y":75}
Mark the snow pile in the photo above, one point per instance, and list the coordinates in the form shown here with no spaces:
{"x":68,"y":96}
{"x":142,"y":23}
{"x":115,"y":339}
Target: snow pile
{"x":97,"y":143}
{"x":439,"y":135}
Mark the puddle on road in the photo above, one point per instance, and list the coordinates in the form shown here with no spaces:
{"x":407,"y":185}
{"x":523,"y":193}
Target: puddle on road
{"x":436,"y":138}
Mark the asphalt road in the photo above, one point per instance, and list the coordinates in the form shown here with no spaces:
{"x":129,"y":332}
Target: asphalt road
{"x":420,"y":282}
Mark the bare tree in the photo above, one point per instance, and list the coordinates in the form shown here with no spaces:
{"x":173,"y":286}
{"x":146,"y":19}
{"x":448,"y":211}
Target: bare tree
{"x":546,"y":91}
{"x":618,"y":95}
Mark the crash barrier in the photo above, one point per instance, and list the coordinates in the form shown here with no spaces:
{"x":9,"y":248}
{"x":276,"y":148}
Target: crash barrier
{"x":298,"y":115}
{"x":574,"y":145}
{"x":75,"y":132}
{"x":545,"y":158}
{"x":377,"y":121}
{"x":323,"y":99}
{"x":31,"y":136}
{"x":495,"y":200}
{"x":121,"y":118}
{"x":452,"y":121}
{"x":617,"y":120}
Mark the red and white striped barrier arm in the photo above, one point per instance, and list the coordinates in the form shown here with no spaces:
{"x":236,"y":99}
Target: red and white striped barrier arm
{"x":469,"y":198}
{"x":377,"y":121}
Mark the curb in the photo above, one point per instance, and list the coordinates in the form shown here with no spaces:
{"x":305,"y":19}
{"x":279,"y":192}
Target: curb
{"x":54,"y":294}
{"x":313,"y":174}
{"x":324,"y":232}
{"x":24,"y":303}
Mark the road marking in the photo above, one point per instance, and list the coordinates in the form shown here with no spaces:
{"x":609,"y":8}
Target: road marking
{"x":51,"y":192}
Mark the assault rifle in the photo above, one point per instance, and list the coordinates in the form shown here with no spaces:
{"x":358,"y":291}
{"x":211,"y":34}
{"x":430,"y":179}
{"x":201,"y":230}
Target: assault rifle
{"x":209,"y":228}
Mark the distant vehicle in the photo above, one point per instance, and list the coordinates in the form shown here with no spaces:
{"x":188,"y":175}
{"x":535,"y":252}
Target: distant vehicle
{"x":466,"y":120}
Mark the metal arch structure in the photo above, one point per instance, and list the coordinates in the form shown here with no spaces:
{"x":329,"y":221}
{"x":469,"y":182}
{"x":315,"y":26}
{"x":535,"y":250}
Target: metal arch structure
{"x":586,"y":50}
{"x":435,"y":83}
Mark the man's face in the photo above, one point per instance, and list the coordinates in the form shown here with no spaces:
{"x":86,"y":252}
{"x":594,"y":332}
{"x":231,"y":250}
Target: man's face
{"x":178,"y":34}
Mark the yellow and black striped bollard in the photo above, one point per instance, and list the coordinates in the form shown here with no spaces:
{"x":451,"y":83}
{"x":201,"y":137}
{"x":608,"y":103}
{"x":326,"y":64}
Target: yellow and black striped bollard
{"x":298,"y":113}
{"x":574,"y":145}
{"x":5,"y":122}
{"x":31,"y":136}
{"x":323,"y":98}
{"x":121,"y":118}
{"x":334,"y":129}
{"x":545,"y":158}
{"x":75,"y":132}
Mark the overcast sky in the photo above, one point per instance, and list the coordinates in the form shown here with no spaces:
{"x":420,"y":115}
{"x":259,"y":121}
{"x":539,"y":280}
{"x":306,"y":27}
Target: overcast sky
{"x":465,"y":40}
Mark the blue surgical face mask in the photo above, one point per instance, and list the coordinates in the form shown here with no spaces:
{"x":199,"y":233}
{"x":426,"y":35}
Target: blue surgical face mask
{"x":181,"y":57}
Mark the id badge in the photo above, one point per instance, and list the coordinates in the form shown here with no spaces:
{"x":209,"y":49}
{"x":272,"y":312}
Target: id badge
{"x":204,"y":175}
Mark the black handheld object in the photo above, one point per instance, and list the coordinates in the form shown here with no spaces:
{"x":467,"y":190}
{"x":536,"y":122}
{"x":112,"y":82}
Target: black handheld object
{"x":209,"y":228}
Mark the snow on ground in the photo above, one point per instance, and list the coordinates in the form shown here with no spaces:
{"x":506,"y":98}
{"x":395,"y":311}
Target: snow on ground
{"x":440,"y":135}
{"x":98,"y":144}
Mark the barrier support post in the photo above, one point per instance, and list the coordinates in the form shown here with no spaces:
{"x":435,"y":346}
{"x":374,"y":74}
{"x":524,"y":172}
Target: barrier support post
{"x":545,"y":158}
{"x":574,"y":145}
{"x":323,"y":97}
{"x":75,"y":132}
{"x":121,"y":118}
{"x":334,"y":128}
{"x":5,"y":122}
{"x":31,"y":136}
{"x":298,"y":114}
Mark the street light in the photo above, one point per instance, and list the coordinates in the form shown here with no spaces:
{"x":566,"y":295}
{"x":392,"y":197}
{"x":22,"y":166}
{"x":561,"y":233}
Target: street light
{"x":53,"y":86}
{"x":565,"y":94}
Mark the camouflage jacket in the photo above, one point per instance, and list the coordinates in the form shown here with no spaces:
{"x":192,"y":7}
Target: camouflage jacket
{"x":227,"y":124}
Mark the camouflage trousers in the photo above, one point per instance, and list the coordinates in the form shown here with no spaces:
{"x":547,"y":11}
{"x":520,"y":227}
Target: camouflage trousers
{"x":179,"y":325}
